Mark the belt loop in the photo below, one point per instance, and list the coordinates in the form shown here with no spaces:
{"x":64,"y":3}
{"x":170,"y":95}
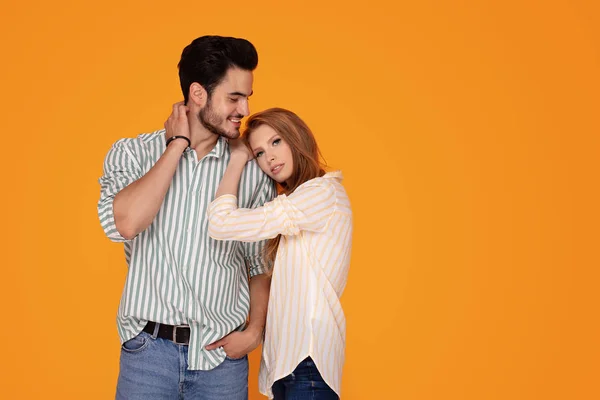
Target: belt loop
{"x":155,"y":333}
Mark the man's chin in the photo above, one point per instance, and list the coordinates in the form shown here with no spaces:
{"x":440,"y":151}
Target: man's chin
{"x":231,"y":135}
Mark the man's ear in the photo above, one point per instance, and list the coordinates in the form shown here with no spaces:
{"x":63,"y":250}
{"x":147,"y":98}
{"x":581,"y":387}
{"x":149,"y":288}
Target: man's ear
{"x":198,"y":95}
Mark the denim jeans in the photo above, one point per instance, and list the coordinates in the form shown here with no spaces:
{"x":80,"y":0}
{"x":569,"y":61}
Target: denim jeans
{"x":152,"y":368}
{"x":305,"y":383}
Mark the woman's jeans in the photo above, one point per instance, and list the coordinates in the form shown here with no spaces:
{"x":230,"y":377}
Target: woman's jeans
{"x":305,"y":383}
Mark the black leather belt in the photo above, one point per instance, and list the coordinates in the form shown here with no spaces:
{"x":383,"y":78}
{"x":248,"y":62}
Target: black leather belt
{"x":179,"y":334}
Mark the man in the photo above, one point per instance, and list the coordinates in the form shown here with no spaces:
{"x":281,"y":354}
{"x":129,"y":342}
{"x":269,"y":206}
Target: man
{"x":185,"y":291}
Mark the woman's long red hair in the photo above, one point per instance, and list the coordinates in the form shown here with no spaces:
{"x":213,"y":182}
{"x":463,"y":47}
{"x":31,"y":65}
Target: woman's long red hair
{"x":305,"y":154}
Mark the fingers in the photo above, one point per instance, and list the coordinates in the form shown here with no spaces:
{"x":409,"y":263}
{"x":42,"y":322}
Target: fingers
{"x":181,"y":112}
{"x":177,"y":123}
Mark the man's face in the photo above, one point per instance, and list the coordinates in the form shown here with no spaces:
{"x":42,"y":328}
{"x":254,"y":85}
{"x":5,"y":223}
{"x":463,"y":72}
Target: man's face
{"x":228,"y":104}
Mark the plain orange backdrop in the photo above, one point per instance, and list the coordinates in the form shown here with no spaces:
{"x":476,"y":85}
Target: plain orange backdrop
{"x":468,"y":134}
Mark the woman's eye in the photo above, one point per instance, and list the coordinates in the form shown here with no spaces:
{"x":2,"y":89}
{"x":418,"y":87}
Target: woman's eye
{"x":276,"y":142}
{"x":260,"y":153}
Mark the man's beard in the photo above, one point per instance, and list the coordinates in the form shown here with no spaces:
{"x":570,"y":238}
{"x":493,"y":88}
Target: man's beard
{"x":212,"y":122}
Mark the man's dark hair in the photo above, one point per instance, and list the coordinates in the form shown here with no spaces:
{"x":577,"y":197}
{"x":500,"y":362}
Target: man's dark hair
{"x":207,"y":59}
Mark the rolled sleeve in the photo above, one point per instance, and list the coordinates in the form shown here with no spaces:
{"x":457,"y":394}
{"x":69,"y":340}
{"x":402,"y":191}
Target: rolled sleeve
{"x":120,"y":170}
{"x":255,"y":263}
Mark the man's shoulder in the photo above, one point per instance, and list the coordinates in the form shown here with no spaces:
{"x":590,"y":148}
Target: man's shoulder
{"x":253,"y":171}
{"x":145,"y":139}
{"x":255,"y":183}
{"x":141,"y":142}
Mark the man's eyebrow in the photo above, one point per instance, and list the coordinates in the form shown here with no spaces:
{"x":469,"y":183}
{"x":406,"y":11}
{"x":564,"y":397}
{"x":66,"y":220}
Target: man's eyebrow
{"x":241,"y":94}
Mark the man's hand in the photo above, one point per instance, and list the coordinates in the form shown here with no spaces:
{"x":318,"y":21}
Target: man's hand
{"x":238,"y":344}
{"x":238,"y":148}
{"x":177,"y":123}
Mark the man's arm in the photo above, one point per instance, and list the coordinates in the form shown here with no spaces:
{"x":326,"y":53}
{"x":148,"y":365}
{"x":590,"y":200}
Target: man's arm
{"x":135,"y":206}
{"x":238,"y":344}
{"x":260,"y":286}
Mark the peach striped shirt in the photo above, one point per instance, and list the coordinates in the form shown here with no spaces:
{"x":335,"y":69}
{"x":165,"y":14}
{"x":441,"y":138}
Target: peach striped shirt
{"x":305,"y":317}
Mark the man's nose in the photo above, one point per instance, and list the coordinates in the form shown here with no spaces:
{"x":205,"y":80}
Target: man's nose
{"x":244,"y":108}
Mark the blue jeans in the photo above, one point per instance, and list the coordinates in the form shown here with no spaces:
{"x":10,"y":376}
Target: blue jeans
{"x":305,"y":383}
{"x":152,"y":368}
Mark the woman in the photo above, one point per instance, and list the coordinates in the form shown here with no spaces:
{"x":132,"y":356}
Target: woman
{"x":310,"y":230}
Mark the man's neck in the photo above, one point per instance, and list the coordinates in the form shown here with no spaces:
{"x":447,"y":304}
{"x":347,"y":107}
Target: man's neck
{"x":203,"y":140}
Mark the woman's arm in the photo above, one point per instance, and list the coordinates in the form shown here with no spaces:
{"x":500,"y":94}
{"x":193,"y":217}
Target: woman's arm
{"x":309,"y":208}
{"x":239,"y":156}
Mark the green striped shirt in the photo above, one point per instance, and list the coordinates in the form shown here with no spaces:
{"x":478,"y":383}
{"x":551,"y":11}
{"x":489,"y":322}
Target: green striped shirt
{"x":177,"y":274}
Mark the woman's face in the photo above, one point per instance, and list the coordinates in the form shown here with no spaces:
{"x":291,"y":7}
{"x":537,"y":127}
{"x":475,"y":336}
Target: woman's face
{"x":272,"y":153}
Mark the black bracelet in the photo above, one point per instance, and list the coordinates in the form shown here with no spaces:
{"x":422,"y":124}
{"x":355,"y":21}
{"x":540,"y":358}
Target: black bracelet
{"x":179,"y":137}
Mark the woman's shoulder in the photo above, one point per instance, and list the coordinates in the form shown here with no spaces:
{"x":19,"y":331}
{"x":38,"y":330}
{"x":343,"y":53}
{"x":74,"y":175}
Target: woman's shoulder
{"x":326,"y":180}
{"x":329,"y":183}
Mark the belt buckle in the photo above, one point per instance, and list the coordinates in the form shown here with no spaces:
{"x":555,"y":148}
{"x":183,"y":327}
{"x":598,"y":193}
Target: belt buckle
{"x":174,"y":338}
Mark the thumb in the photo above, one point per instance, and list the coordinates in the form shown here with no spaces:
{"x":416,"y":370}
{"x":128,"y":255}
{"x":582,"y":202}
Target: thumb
{"x":216,"y":344}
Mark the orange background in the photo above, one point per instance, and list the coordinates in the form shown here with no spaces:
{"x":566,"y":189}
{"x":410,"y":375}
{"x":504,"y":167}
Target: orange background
{"x":468,"y":135}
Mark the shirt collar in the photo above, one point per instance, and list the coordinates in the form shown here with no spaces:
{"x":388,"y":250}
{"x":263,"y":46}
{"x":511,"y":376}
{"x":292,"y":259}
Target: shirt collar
{"x":334,"y":175}
{"x":219,"y":148}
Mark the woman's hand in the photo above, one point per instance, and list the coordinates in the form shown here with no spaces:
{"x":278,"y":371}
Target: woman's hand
{"x":239,"y":150}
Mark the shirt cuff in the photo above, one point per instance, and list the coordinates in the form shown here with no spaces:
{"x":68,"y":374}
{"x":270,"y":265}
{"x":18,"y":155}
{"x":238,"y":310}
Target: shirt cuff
{"x":256,"y":265}
{"x":107,"y":220}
